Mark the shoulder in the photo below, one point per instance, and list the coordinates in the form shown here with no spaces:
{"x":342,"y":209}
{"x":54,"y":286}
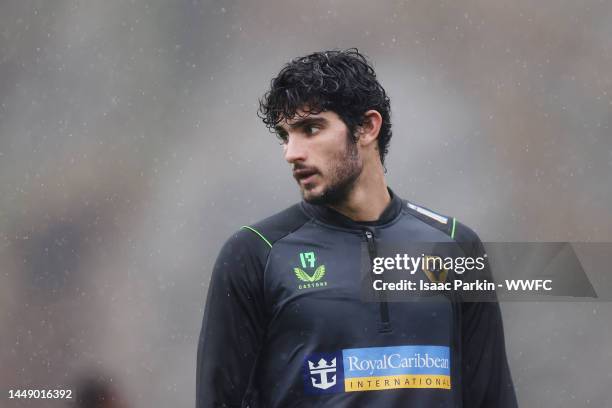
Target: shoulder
{"x":248,"y":248}
{"x":264,"y":233}
{"x":432,"y":218}
{"x":456,"y":230}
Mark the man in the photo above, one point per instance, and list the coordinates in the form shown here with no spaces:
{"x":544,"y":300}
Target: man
{"x":286,"y":324}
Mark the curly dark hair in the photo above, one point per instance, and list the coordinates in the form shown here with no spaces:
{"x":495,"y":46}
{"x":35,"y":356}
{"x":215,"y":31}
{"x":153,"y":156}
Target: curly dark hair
{"x":340,"y":81}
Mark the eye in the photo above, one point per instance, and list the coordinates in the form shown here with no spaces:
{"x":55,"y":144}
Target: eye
{"x":282,"y":137}
{"x":312,"y":129}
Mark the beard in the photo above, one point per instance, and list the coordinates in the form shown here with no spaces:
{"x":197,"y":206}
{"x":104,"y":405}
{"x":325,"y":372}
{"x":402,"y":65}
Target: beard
{"x":346,"y":169}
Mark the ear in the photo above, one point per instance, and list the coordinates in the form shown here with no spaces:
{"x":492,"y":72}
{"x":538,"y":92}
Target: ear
{"x":368,"y":131}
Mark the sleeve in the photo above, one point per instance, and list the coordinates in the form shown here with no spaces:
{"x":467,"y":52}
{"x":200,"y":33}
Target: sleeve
{"x":233,"y":325}
{"x":486,"y":379}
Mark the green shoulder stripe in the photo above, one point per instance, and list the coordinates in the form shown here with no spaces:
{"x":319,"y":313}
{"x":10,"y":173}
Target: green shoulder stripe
{"x":258,"y":233}
{"x":453,"y":229}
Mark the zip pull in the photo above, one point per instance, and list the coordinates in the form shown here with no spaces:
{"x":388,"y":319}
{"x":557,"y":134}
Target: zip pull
{"x":371,"y":244}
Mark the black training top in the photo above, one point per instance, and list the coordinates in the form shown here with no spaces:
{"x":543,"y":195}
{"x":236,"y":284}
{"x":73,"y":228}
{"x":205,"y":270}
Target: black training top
{"x":286,"y":324}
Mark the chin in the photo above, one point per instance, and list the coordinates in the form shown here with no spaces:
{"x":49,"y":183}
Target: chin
{"x":319,"y":196}
{"x":313,"y":196}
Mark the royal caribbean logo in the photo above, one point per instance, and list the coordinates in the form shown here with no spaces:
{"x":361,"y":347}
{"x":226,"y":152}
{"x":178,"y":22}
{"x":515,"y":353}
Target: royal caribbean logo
{"x":378,"y":368}
{"x":313,"y":280}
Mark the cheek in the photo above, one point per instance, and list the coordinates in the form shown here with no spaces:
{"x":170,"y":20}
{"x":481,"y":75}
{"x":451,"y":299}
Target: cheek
{"x":327,"y":157}
{"x":329,"y":168}
{"x":327,"y":164}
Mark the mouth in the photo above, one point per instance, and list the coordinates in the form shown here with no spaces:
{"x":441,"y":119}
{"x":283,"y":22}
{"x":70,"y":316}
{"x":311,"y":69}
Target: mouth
{"x":304,"y":176}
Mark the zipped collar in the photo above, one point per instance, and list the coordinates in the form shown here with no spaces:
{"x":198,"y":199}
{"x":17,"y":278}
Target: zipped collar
{"x":330,"y":216}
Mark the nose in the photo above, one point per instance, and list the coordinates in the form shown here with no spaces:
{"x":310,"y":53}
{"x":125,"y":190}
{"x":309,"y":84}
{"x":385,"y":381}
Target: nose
{"x":294,"y":150}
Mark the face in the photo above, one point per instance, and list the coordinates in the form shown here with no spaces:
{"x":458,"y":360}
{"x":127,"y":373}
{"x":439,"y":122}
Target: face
{"x":325,"y":159}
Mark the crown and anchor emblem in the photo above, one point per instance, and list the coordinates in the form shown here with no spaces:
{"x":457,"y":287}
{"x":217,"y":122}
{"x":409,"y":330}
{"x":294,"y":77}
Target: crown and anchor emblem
{"x":323,"y":370}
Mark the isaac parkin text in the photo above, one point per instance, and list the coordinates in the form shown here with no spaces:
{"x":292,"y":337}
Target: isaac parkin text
{"x":404,"y":284}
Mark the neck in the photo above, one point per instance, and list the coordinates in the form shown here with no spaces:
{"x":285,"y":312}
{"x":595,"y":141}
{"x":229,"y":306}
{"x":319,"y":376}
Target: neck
{"x":369,"y":197}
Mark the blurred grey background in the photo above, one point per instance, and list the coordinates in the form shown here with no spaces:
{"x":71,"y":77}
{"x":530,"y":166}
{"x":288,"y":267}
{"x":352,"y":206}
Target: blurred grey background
{"x":130,"y":150}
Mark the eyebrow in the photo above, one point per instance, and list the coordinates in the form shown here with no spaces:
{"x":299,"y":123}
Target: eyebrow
{"x":303,"y":122}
